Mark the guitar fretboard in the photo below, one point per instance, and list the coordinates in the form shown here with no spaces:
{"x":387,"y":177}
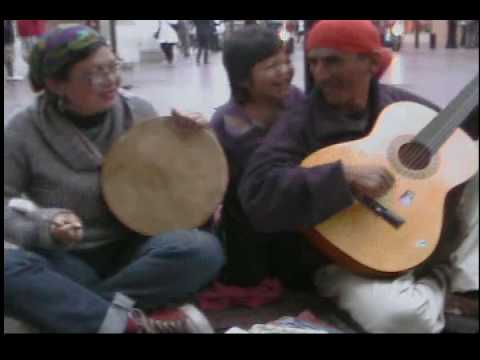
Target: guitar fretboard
{"x":446,"y":122}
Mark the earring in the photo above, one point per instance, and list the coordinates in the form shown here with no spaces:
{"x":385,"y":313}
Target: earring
{"x":61,"y":103}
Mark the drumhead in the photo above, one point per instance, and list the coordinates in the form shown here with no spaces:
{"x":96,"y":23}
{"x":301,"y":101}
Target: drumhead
{"x":156,"y":179}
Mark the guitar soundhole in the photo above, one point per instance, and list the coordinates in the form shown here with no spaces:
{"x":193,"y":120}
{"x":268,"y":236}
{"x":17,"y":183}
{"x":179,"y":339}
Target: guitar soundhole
{"x":414,"y":156}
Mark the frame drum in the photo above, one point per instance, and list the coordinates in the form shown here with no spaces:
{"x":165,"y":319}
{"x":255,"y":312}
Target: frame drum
{"x":156,"y":179}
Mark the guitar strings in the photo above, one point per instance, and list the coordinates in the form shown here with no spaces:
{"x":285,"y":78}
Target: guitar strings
{"x":418,"y":155}
{"x":462,"y":113}
{"x":463,"y":105}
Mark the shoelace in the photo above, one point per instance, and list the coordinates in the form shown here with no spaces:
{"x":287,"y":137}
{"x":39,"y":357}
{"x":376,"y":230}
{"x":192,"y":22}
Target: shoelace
{"x":166,"y":326}
{"x":154,"y":326}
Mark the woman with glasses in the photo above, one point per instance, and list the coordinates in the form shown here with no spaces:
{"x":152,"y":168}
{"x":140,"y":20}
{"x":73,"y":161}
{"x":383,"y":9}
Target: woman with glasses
{"x":76,"y":268}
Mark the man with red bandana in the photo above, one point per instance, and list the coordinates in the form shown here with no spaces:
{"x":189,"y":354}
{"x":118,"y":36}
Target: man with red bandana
{"x":346,"y":60}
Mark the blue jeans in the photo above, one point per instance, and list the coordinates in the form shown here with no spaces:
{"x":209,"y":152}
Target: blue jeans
{"x":79,"y":293}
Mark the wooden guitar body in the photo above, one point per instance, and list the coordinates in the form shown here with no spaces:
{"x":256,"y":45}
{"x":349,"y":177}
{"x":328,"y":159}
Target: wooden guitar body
{"x":365,"y":242}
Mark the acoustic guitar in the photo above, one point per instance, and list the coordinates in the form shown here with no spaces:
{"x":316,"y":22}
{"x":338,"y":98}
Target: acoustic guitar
{"x":429,"y":156}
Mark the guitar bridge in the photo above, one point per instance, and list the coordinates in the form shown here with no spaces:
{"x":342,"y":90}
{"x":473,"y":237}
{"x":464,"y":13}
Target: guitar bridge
{"x":381,"y":211}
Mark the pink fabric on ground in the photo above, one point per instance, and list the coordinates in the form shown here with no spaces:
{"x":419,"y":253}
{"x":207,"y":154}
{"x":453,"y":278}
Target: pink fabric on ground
{"x":221,"y":297}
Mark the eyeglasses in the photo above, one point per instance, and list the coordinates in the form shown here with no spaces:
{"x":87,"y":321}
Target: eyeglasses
{"x":278,"y":69}
{"x":103,"y":75}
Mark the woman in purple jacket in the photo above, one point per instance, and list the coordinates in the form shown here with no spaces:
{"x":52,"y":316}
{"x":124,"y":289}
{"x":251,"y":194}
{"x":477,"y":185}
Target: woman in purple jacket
{"x":260,"y":75}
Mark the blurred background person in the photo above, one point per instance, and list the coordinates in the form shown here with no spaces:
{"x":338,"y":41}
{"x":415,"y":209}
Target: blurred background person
{"x":183,"y":37}
{"x":29,"y":32}
{"x":217,"y":33}
{"x":205,"y":30}
{"x":301,"y":30}
{"x":192,"y":34}
{"x":471,"y":34}
{"x":9,"y":50}
{"x":168,"y":38}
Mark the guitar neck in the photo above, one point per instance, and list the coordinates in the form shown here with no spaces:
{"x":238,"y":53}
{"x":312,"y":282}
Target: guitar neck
{"x":446,"y":122}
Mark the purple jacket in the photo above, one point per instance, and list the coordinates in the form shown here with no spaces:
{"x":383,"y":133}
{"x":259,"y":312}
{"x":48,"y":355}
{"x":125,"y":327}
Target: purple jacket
{"x":240,"y":137}
{"x":248,"y":250}
{"x":276,"y":193}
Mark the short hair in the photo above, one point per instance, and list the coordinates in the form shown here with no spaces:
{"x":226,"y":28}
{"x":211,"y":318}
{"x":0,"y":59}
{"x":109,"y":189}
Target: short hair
{"x":242,"y":50}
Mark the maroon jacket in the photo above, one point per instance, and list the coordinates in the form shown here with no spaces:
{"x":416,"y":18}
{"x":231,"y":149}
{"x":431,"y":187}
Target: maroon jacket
{"x":279,"y":195}
{"x":270,"y":197}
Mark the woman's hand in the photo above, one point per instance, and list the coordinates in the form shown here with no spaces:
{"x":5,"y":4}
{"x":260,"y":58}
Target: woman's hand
{"x":188,"y":122}
{"x":217,"y":215}
{"x":67,"y":229}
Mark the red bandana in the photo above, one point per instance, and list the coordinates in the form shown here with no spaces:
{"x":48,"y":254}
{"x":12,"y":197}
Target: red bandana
{"x":357,"y":36}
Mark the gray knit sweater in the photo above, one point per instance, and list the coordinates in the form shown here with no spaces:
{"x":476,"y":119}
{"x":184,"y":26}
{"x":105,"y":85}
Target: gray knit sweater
{"x":52,"y":166}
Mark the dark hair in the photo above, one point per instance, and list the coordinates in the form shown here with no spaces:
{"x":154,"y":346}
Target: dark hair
{"x":242,"y":50}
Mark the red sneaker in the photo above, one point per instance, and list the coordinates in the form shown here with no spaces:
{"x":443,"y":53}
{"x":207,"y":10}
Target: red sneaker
{"x":187,"y":319}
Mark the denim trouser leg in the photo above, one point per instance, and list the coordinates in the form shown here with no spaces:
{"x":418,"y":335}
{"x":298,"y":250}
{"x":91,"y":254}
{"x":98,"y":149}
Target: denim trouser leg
{"x":167,"y":268}
{"x":57,"y":292}
{"x":50,"y":290}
